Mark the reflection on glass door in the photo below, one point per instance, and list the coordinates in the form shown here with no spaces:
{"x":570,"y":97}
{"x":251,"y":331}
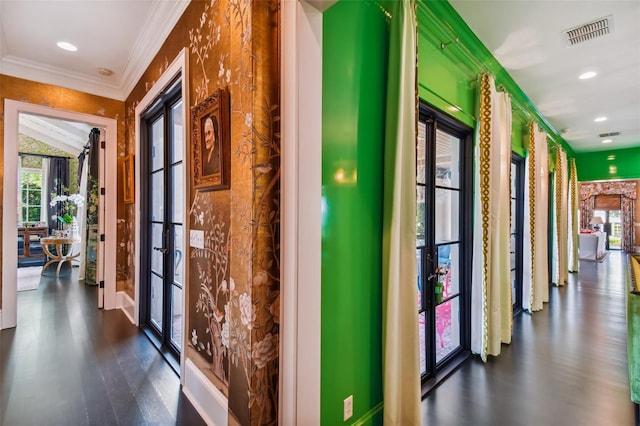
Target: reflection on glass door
{"x":162,"y":251}
{"x":442,"y":224}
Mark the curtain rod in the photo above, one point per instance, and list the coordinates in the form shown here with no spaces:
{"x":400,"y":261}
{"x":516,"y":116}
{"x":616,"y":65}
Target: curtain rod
{"x":42,"y":155}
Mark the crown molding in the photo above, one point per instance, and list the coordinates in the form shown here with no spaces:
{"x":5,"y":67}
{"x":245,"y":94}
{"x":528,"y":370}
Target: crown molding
{"x":29,"y":70}
{"x":161,"y":22}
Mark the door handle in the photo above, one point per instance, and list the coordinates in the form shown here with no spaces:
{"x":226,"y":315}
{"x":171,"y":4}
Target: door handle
{"x":160,"y":249}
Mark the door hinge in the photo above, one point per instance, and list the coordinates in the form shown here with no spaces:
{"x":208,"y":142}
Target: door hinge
{"x":103,"y":144}
{"x":101,"y":284}
{"x":102,"y":237}
{"x":102,"y":191}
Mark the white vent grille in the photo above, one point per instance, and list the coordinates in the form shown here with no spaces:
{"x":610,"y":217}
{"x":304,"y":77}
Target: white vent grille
{"x":590,"y":31}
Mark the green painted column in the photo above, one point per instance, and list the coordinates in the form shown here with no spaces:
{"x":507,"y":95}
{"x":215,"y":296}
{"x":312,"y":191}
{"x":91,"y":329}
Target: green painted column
{"x":355,"y":45}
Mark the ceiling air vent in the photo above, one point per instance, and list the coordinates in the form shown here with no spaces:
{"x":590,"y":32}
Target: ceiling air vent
{"x":586,"y":32}
{"x":607,"y":135}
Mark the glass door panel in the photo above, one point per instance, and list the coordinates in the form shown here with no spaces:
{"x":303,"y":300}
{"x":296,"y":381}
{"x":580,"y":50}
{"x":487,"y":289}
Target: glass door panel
{"x":165,"y":211}
{"x":443,"y":222}
{"x":515,"y":241}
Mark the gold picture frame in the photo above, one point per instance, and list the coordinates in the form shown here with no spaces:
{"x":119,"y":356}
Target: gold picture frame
{"x":210,"y":154}
{"x":127,"y":179}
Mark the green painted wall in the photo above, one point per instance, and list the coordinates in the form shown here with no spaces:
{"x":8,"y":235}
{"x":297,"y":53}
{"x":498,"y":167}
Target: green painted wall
{"x":355,"y":45}
{"x":607,"y":165}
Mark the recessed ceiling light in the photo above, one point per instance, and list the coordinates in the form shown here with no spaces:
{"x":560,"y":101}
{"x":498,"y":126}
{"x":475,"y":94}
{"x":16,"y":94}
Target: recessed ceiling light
{"x":105,"y":71}
{"x":587,"y":75}
{"x":599,"y":119}
{"x":611,"y":157}
{"x":607,"y":141}
{"x":67,"y":46}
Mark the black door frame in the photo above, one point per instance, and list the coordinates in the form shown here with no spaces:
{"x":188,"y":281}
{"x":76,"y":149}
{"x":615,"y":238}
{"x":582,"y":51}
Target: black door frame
{"x":519,"y":162}
{"x":436,"y":120}
{"x":160,"y":338}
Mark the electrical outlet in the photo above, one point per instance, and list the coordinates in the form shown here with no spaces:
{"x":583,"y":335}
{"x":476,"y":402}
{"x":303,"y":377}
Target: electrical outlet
{"x":348,"y":408}
{"x":196,"y":238}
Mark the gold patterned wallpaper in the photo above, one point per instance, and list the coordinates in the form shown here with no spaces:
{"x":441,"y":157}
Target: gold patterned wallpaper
{"x":232,"y":286}
{"x":58,"y":97}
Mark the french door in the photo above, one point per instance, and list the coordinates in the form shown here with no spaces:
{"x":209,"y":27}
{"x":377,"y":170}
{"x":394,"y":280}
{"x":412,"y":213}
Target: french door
{"x":443,"y":224}
{"x":517,"y":224}
{"x":162,"y":222}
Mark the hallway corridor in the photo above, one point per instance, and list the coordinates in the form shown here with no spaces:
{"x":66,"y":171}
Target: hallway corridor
{"x":566,"y":365}
{"x":68,"y":363}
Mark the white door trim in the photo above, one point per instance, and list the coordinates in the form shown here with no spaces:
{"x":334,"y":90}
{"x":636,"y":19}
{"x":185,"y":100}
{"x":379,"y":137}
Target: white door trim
{"x":179,"y":66}
{"x":12,"y":109}
{"x":301,"y":94}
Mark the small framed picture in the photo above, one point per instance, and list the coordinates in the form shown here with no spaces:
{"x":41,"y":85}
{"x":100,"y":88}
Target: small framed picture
{"x":210,"y":148}
{"x":127,"y":179}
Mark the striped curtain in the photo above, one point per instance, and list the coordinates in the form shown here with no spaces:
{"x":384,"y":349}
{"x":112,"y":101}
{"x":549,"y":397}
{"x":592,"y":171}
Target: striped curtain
{"x":401,"y":360}
{"x":573,"y":218}
{"x":492,"y":306}
{"x":535,"y":251}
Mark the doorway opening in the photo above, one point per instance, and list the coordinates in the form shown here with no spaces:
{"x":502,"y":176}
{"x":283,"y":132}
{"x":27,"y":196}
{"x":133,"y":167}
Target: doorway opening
{"x":13,"y":110}
{"x":612,"y":226}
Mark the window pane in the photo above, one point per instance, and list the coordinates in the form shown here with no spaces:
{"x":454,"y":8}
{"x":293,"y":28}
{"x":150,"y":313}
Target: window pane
{"x":421,"y":278}
{"x":420,"y":153}
{"x":447,"y":328}
{"x":449,"y":269}
{"x":157,"y":196}
{"x":177,"y":192}
{"x":423,"y":348}
{"x":156,"y":241}
{"x":176,"y":120}
{"x":178,"y":256}
{"x":176,"y":316}
{"x":447,"y":215}
{"x":420,"y":215}
{"x":513,"y":215}
{"x":157,"y":144}
{"x":156,"y":301}
{"x":447,"y":160}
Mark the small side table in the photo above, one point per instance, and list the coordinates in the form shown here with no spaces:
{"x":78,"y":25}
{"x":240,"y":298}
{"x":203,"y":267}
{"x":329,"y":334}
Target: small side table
{"x":60,"y":257}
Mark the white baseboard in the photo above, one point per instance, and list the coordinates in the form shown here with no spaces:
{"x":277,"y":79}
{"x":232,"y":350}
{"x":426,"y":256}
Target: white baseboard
{"x":208,"y":401}
{"x":126,"y":304}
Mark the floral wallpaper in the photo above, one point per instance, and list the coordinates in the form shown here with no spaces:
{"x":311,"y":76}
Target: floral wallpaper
{"x":233,"y":283}
{"x":27,"y":144}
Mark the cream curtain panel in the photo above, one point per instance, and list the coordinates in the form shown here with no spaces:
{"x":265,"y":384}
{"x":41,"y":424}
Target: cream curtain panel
{"x":574,"y":224}
{"x":401,"y":360}
{"x":491,"y":307}
{"x":561,"y":220}
{"x":535,"y":252}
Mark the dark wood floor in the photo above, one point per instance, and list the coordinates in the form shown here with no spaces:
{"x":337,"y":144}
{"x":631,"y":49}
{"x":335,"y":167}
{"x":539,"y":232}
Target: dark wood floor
{"x":566,"y":365}
{"x":68,"y":363}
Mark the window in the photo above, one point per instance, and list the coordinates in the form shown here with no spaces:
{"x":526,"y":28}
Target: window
{"x":32,"y":199}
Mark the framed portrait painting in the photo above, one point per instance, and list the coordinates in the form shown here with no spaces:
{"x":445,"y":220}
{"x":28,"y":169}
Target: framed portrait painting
{"x":210,"y":155}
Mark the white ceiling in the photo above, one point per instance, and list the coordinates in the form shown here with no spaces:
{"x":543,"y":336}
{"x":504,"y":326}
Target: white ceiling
{"x":120,"y":35}
{"x":524,"y":35}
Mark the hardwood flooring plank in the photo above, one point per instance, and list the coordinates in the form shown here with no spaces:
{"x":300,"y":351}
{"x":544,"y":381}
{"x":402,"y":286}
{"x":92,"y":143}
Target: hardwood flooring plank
{"x":566,"y":364}
{"x":68,"y":363}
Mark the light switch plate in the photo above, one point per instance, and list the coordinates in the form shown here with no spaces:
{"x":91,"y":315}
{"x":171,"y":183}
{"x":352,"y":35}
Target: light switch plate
{"x":196,"y":238}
